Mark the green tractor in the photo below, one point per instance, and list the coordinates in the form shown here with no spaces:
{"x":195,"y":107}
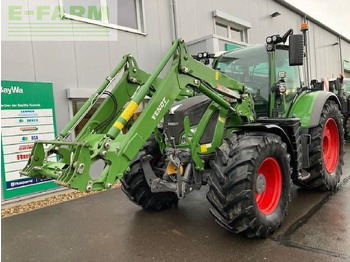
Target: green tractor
{"x":247,"y":127}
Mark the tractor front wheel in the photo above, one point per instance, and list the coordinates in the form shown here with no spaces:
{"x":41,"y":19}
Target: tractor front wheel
{"x":249,"y":187}
{"x":135,"y":186}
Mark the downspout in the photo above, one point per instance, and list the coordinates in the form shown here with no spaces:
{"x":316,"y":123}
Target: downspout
{"x":341,"y":57}
{"x":175,"y":19}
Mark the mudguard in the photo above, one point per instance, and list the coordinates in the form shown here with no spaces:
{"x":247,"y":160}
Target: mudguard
{"x":267,"y":126}
{"x":308,"y":107}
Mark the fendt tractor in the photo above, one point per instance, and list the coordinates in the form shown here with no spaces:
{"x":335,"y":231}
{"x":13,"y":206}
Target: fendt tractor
{"x":247,"y":127}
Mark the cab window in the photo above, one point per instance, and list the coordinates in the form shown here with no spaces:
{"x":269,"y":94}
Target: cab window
{"x":293,"y":78}
{"x":249,"y":66}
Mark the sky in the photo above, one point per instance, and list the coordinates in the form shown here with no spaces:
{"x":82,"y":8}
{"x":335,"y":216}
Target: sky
{"x":333,"y":13}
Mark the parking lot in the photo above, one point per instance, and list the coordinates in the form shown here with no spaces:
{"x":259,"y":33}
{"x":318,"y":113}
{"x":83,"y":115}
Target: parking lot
{"x":107,"y":226}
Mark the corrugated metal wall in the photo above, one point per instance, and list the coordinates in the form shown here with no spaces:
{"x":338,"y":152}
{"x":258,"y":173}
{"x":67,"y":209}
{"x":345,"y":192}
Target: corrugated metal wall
{"x":72,"y":64}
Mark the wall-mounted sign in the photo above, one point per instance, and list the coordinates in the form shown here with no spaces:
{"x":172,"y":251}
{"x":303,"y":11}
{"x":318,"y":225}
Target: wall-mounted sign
{"x":27,"y":115}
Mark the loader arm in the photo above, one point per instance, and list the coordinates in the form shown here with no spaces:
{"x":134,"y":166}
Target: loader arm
{"x":103,"y":140}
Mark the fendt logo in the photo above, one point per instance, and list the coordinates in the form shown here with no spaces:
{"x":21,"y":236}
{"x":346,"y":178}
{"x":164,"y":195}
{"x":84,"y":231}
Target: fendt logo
{"x":11,"y":90}
{"x":162,"y":104}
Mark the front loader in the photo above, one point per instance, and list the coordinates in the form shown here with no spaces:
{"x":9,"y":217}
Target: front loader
{"x":220,"y":126}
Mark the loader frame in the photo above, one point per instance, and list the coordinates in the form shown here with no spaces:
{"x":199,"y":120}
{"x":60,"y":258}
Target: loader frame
{"x":105,"y":140}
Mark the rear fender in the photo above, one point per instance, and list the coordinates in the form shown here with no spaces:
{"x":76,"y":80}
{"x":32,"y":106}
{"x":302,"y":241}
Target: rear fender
{"x":308,"y":107}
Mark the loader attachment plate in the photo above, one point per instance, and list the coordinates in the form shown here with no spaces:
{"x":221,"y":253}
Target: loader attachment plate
{"x":71,"y":169}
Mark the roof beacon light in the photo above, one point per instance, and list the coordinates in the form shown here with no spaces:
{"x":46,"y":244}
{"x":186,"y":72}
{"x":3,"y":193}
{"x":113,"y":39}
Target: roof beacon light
{"x":304,"y":26}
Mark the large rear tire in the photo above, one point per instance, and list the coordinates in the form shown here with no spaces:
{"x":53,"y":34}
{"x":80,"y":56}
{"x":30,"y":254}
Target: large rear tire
{"x":249,"y":188}
{"x":135,"y":186}
{"x":326,"y":151}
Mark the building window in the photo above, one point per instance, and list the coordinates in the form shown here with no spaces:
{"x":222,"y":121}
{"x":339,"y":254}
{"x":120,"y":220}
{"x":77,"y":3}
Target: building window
{"x":221,"y":29}
{"x":231,"y":32}
{"x":125,"y":15}
{"x":237,"y":34}
{"x":231,"y":27}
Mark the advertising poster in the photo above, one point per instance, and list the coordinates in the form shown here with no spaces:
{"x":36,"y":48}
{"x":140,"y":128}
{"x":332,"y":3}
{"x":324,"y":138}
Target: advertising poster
{"x":27,"y":115}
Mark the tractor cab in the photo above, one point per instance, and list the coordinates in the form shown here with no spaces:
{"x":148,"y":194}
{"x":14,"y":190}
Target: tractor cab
{"x":261,"y":72}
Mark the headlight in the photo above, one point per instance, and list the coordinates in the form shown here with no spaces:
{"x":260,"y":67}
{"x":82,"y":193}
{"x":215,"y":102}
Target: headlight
{"x":282,"y":88}
{"x":183,"y":137}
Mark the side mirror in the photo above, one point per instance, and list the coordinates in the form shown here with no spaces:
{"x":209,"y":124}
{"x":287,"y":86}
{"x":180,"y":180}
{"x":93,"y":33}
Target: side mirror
{"x":296,"y":50}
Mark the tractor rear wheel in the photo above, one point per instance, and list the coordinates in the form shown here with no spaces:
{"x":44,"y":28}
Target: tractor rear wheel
{"x":326,"y":151}
{"x":135,"y":186}
{"x":249,"y":188}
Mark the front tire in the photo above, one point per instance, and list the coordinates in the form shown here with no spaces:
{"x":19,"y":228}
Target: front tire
{"x":326,"y":151}
{"x":135,"y":186}
{"x":241,"y":201}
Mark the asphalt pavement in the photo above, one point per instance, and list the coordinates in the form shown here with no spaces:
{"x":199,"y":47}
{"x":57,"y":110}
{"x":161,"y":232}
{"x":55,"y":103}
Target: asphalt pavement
{"x":108,"y":227}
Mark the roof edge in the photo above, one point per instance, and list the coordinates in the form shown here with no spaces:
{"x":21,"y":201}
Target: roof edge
{"x":310,"y":18}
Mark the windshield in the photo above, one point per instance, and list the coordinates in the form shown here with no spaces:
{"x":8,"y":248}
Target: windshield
{"x":249,"y":66}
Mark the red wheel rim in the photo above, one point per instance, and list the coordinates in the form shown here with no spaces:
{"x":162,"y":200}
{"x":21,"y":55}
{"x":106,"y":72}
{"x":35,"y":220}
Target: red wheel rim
{"x":330,"y":145}
{"x":268,"y":200}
